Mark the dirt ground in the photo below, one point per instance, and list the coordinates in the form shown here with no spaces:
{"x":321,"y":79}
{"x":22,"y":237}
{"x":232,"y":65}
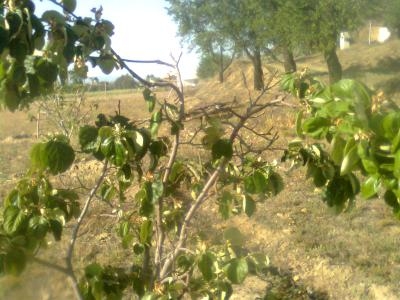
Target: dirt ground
{"x":314,"y":254}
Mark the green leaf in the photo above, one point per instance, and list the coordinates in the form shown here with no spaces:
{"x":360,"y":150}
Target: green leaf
{"x":155,"y":122}
{"x":137,"y":141}
{"x":318,"y":176}
{"x":146,"y":232}
{"x":222,"y":147}
{"x":158,"y":190}
{"x":38,"y":226}
{"x":205,"y":265}
{"x":249,"y":205}
{"x":106,"y":63}
{"x":59,"y":156}
{"x":338,"y":191}
{"x":93,"y":270}
{"x":350,"y":160}
{"x":275,"y":183}
{"x":11,"y":95}
{"x":17,"y":73}
{"x":15,"y":23}
{"x":149,"y":296}
{"x":70,"y":5}
{"x":14,"y":220}
{"x":355,"y":183}
{"x":316,"y":127}
{"x":249,"y":186}
{"x":370,"y":188}
{"x":213,"y":133}
{"x":391,"y":125}
{"x":107,"y":147}
{"x":108,"y":27}
{"x":138,"y":248}
{"x":19,"y":50}
{"x":225,"y":202}
{"x":234,"y":236}
{"x":354,"y":90}
{"x":14,"y":262}
{"x":260,"y":182}
{"x":391,"y":199}
{"x":107,"y":192}
{"x":145,"y":198}
{"x":396,"y":167}
{"x":51,"y":16}
{"x":34,"y":85}
{"x":150,"y":99}
{"x":158,"y":148}
{"x":121,"y":153}
{"x":396,"y":142}
{"x":237,"y":270}
{"x":337,"y":148}
{"x":46,"y":70}
{"x":87,"y":138}
{"x":37,"y":156}
{"x":56,"y":228}
{"x":258,"y":262}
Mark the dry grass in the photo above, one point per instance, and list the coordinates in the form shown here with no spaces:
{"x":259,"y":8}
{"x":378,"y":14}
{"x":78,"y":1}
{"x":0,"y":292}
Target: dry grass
{"x":314,"y":253}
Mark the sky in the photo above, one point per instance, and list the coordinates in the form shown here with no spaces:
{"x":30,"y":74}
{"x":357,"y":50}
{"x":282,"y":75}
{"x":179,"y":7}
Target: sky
{"x":143,"y":31}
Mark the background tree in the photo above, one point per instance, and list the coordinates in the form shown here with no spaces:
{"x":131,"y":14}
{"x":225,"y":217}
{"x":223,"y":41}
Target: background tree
{"x":125,"y":82}
{"x":317,"y":24}
{"x":391,"y":15}
{"x":208,"y":67}
{"x":242,"y":24}
{"x":198,"y":24}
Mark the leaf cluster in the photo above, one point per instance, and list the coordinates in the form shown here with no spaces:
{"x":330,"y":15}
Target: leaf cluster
{"x":359,"y":134}
{"x":35,"y":52}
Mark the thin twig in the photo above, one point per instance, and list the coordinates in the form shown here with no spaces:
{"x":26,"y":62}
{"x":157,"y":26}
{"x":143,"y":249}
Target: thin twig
{"x":75,"y":232}
{"x":51,"y":265}
{"x":171,"y":161}
{"x":158,"y":62}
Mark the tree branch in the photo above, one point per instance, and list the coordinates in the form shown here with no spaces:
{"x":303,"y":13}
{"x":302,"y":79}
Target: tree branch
{"x":51,"y":265}
{"x":75,"y":232}
{"x":251,"y":110}
{"x":171,"y":161}
{"x":158,"y":62}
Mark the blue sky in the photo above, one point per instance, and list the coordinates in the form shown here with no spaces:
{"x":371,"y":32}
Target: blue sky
{"x":143,"y":31}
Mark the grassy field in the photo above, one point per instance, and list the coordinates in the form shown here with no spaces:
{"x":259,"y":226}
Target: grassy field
{"x":314,"y":253}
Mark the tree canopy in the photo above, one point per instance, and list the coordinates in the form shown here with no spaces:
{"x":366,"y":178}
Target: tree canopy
{"x":254,"y":25}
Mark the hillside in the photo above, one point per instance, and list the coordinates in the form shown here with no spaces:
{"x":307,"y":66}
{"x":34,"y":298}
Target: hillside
{"x":377,"y":65}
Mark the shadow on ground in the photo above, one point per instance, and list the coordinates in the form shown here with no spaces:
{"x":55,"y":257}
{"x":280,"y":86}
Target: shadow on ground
{"x":281,"y":285}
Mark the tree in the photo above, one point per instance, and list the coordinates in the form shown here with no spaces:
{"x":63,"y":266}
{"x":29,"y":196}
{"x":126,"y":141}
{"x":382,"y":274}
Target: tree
{"x":391,"y":15}
{"x":124,"y":82}
{"x":317,"y":24}
{"x":208,"y":67}
{"x":242,"y":24}
{"x":198,"y":25}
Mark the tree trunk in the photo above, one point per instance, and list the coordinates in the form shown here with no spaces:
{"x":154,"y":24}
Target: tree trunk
{"x":334,"y":66}
{"x":288,"y":60}
{"x":258,"y":71}
{"x":221,"y":65}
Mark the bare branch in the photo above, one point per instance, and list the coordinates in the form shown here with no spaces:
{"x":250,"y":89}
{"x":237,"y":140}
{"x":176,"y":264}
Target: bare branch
{"x":174,"y":151}
{"x":51,"y":265}
{"x":158,"y":62}
{"x":75,"y":231}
